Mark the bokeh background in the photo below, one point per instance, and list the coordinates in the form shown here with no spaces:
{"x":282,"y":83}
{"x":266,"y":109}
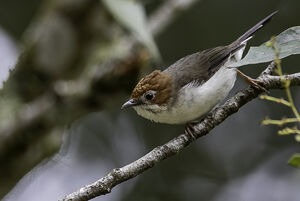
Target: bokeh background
{"x":239,"y":160}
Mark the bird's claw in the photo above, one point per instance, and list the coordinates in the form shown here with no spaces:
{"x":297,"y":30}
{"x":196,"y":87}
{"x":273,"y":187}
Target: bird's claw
{"x":189,"y":130}
{"x":257,"y":84}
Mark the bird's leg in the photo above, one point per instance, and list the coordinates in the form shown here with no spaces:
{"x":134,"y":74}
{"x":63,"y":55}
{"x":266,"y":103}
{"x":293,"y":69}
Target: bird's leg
{"x":190,"y":130}
{"x":254,"y":83}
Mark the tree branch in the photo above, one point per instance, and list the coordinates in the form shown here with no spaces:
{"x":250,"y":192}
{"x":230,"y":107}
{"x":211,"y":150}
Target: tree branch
{"x":210,"y":121}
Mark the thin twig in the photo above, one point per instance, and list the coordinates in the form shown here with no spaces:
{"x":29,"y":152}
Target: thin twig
{"x":276,"y":100}
{"x":279,"y":122}
{"x":270,"y":69}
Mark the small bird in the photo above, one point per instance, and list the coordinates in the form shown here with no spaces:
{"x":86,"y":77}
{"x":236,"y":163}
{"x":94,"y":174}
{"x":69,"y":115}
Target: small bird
{"x":193,"y":85}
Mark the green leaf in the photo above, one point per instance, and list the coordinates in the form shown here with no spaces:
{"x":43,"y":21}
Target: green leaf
{"x":295,"y":160}
{"x":288,"y":43}
{"x":131,"y":14}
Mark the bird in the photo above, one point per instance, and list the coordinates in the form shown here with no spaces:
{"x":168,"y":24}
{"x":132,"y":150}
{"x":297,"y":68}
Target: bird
{"x":193,"y":85}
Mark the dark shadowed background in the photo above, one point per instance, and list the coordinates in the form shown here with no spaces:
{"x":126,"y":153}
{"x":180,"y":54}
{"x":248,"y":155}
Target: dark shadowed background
{"x":238,"y":161}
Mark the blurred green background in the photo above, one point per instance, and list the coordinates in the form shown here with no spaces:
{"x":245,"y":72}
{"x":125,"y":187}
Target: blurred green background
{"x":240,"y":160}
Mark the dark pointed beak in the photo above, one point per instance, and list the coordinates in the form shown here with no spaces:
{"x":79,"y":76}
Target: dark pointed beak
{"x":130,"y":103}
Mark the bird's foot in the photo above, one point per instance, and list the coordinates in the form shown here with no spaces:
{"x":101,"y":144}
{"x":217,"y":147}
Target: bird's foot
{"x":257,"y":84}
{"x":189,"y":130}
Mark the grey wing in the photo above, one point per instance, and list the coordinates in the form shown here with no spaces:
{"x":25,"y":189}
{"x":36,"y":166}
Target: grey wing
{"x":199,"y":66}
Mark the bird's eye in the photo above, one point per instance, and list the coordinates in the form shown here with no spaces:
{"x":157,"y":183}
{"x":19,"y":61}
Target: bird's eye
{"x":149,"y":96}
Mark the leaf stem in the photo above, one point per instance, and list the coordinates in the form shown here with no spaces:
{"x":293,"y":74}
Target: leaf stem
{"x":294,"y":109}
{"x":276,"y":100}
{"x":279,"y":122}
{"x":288,"y":131}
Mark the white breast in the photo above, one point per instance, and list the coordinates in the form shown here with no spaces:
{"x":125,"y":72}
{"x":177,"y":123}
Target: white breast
{"x":194,"y":101}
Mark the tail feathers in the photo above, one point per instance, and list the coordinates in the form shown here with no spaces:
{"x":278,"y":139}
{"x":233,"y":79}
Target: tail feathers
{"x":246,"y":40}
{"x":249,"y":34}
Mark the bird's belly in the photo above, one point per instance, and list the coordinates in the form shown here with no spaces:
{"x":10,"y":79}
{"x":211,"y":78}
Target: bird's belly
{"x":195,"y":101}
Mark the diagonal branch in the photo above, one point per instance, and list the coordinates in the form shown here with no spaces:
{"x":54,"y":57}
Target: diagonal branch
{"x":210,"y":121}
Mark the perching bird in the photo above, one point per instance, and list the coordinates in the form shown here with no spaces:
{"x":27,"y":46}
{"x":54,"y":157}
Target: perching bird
{"x":193,"y":85}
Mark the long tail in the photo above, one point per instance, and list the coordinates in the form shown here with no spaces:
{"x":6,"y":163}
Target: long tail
{"x":248,"y":35}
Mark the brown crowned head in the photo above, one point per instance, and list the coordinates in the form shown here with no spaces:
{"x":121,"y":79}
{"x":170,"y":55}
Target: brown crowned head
{"x":152,"y":91}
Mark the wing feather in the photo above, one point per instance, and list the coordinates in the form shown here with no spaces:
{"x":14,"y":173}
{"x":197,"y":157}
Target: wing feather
{"x":199,"y":66}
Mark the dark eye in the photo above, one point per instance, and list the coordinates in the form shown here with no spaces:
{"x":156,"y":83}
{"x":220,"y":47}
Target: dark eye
{"x":149,"y":96}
